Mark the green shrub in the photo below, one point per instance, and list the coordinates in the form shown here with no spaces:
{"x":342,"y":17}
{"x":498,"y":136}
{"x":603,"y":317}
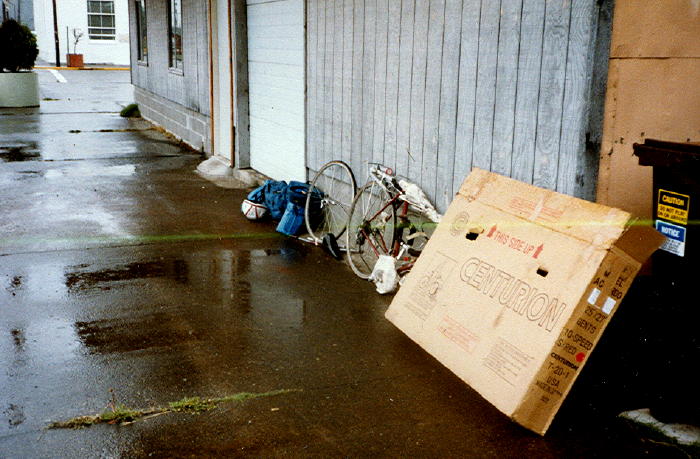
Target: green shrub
{"x":18,"y":45}
{"x":130,"y":111}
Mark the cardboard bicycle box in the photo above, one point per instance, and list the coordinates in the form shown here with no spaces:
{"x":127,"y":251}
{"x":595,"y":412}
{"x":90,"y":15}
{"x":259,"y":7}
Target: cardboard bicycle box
{"x":515,"y":288}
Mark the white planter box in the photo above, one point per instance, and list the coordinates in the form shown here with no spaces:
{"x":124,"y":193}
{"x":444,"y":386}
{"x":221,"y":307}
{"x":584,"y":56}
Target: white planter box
{"x":19,"y":89}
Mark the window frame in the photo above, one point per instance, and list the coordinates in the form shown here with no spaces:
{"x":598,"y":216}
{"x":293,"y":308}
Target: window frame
{"x":101,"y":37}
{"x":176,"y":65}
{"x":141,"y":17}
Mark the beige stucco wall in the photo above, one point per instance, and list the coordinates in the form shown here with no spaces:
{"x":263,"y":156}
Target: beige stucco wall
{"x":653,"y":92}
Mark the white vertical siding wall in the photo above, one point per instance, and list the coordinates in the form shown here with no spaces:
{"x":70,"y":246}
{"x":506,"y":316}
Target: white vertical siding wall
{"x":276,"y":87}
{"x":73,"y":14}
{"x":433,"y":88}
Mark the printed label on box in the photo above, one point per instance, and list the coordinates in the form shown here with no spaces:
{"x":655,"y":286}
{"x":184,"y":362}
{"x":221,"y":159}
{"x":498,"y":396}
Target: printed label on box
{"x":608,"y":305}
{"x":675,"y":237}
{"x":593,"y":297}
{"x":673,"y":206}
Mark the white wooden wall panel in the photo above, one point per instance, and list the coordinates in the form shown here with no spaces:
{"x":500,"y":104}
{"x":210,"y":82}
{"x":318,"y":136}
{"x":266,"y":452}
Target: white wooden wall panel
{"x":276,"y":87}
{"x":433,"y":88}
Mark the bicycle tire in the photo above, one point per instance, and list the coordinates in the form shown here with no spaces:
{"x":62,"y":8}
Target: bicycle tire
{"x":332,"y":191}
{"x":371,"y":229}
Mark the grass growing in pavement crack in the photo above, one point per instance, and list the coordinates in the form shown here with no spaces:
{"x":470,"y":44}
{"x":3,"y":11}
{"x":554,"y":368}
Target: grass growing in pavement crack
{"x":121,"y":414}
{"x":192,"y":405}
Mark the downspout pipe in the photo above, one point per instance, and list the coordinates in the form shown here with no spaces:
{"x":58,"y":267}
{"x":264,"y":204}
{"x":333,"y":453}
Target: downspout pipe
{"x":211,"y":80}
{"x":232,"y":64}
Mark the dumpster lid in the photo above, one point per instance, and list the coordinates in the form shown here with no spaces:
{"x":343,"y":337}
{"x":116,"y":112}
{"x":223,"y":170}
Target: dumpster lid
{"x":655,"y":152}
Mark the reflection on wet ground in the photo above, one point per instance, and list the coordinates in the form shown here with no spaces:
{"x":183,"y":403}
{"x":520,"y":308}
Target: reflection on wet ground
{"x":19,"y":152}
{"x":125,"y":170}
{"x":134,"y":333}
{"x":82,"y":280}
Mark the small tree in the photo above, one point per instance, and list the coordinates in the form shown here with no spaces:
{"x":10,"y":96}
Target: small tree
{"x":77,"y":35}
{"x":18,"y":45}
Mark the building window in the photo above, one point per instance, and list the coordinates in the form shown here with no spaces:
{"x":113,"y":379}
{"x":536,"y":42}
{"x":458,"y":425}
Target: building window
{"x":141,"y":35}
{"x":175,"y":32}
{"x":101,"y":20}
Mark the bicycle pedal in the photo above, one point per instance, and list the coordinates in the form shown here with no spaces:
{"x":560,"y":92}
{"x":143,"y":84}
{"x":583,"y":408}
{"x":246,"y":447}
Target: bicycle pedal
{"x":330,"y":243}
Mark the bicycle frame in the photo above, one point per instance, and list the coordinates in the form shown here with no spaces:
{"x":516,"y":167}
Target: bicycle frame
{"x":384,"y":178}
{"x":395,"y":226}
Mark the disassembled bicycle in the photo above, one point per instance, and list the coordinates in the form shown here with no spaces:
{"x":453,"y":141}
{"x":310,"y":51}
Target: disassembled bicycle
{"x":387,"y":216}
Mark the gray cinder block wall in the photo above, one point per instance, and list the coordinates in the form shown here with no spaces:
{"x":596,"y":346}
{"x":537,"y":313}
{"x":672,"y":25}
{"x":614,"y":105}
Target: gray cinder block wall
{"x":187,"y":125}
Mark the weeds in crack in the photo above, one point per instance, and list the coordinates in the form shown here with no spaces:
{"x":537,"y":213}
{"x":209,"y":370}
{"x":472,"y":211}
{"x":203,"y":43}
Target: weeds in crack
{"x":117,"y":413}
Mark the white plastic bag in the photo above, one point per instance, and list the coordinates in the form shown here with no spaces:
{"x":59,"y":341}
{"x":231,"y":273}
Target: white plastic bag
{"x":384,"y":275}
{"x":417,"y":196}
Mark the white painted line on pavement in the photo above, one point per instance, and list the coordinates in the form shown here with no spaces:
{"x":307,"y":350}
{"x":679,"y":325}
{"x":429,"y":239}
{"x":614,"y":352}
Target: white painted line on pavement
{"x":58,"y":76}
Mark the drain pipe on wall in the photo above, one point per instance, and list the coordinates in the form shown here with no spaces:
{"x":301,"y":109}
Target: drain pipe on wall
{"x":211,"y":81}
{"x":231,"y":85}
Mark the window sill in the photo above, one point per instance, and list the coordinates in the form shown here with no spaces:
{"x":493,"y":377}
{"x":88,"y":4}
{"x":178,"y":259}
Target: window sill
{"x":102,"y":42}
{"x":142,"y":63}
{"x":174,"y":71}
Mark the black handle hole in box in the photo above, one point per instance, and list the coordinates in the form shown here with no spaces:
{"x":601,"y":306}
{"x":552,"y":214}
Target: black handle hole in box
{"x":542,"y":272}
{"x":474,"y":233}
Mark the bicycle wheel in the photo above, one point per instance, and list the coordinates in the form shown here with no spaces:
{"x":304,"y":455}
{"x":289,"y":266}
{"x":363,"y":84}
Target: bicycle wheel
{"x":370,"y":229}
{"x":329,"y":200}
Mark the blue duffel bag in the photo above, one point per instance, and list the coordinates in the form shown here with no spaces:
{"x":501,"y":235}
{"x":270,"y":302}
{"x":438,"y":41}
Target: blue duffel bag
{"x":292,"y":221}
{"x":273,"y":195}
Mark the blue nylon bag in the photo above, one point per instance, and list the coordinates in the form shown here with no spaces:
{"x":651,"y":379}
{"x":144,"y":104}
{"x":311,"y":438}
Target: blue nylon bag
{"x":292,"y":221}
{"x":273,"y":195}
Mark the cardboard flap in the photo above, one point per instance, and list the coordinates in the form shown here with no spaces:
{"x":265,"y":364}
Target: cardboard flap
{"x":597,"y":224}
{"x":640,"y":242}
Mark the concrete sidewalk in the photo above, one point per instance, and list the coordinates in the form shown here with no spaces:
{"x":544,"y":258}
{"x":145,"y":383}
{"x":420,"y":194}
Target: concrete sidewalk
{"x":127,"y":278}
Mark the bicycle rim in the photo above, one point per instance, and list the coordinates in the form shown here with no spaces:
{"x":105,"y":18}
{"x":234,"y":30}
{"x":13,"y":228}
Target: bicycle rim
{"x":329,"y":200}
{"x":370,"y":229}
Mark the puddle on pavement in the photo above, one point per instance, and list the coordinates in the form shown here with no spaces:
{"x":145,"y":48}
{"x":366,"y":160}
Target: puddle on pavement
{"x":288,"y":254}
{"x":171,"y":269}
{"x":81,"y":279}
{"x":14,"y":414}
{"x":151,"y":331}
{"x":19,"y":152}
{"x":125,"y":170}
{"x":265,"y":252}
{"x":29,"y":174}
{"x":18,"y":338}
{"x":78,"y":131}
{"x":14,"y":284}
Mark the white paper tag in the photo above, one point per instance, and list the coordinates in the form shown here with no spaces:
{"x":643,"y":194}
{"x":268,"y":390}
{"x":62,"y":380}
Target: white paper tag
{"x":593,"y":297}
{"x":609,"y":305}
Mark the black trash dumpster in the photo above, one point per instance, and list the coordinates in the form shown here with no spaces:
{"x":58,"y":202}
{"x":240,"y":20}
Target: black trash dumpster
{"x":673,"y":305}
{"x":676,"y":203}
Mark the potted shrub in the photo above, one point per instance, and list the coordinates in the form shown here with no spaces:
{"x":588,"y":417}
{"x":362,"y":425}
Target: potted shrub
{"x":19,"y":86}
{"x":75,"y":59}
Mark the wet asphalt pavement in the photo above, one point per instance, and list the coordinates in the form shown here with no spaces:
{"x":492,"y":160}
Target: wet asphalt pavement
{"x":121,"y":269}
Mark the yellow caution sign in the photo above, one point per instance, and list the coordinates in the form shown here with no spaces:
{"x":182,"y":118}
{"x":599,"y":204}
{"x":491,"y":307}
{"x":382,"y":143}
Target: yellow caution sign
{"x":673,"y":207}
